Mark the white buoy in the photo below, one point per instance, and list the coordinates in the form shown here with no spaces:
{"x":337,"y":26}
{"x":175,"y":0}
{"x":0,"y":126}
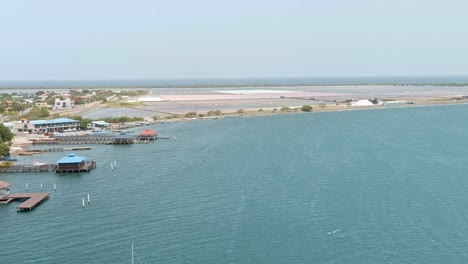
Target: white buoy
{"x":88,"y":199}
{"x":83,"y":202}
{"x":26,"y":187}
{"x":55,"y":187}
{"x":115,"y":164}
{"x":112,"y":166}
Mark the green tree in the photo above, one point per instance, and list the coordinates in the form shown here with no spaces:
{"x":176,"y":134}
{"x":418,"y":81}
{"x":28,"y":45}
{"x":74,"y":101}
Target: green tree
{"x":285,"y":109}
{"x":4,"y":150}
{"x":5,"y":134}
{"x":214,"y":113}
{"x":18,"y":107}
{"x":84,"y":122}
{"x":306,"y":108}
{"x":191,"y":114}
{"x":37,"y":113}
{"x":80,"y":102}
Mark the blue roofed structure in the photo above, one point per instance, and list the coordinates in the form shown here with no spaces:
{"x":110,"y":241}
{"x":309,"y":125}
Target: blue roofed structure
{"x":53,"y":121}
{"x":74,"y":163}
{"x":53,"y":125}
{"x":71,"y":158}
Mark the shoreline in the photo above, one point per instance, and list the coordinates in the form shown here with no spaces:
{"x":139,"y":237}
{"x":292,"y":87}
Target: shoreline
{"x":245,"y":107}
{"x":21,"y":141}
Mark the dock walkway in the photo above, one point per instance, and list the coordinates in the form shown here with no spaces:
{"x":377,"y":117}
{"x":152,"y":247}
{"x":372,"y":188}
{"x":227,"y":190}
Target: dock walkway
{"x":78,"y":140}
{"x":31,"y":200}
{"x":88,"y":165}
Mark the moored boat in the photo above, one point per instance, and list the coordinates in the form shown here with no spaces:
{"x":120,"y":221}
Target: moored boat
{"x":10,"y":159}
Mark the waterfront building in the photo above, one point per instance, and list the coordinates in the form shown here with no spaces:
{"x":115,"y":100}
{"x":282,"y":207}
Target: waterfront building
{"x":41,"y":126}
{"x":100,"y":125}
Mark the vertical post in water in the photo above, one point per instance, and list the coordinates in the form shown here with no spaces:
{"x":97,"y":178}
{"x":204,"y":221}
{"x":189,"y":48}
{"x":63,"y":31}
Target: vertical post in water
{"x":26,"y":187}
{"x":83,"y":202}
{"x":115,"y":164}
{"x":41,"y":187}
{"x":112,"y":166}
{"x":55,"y":187}
{"x":88,"y":199}
{"x":133,"y":261}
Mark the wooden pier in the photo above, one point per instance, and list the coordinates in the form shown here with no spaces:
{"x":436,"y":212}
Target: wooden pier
{"x":106,"y":139}
{"x":58,"y":149}
{"x":31,"y":200}
{"x":87,"y":166}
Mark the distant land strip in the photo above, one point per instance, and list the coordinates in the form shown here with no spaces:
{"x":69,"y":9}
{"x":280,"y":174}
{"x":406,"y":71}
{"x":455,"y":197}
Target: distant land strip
{"x":130,"y":86}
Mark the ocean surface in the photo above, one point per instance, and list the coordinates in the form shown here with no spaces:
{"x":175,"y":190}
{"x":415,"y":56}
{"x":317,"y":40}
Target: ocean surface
{"x":371,"y":186}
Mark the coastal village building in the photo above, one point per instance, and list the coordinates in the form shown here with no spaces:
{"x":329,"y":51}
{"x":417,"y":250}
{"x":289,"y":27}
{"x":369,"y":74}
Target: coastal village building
{"x":4,"y":189}
{"x":100,"y":125}
{"x":42,"y":104}
{"x":42,"y":97}
{"x":66,"y":103}
{"x":41,"y":126}
{"x":23,"y":126}
{"x":8,"y":103}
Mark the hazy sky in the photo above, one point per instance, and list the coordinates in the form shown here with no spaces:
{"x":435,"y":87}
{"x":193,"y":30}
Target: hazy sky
{"x":111,"y":39}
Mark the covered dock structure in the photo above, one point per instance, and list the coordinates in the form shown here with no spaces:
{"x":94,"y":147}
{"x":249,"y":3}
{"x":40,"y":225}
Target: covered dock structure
{"x":122,"y":139}
{"x":147,"y":134}
{"x":74,"y":163}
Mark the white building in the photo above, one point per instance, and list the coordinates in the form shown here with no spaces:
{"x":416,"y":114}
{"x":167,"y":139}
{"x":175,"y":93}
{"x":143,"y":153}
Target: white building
{"x":66,"y":103}
{"x":41,"y":126}
{"x":100,"y":125}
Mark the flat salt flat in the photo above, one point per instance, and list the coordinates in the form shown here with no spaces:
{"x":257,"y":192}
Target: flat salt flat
{"x":253,"y":91}
{"x":150,"y":99}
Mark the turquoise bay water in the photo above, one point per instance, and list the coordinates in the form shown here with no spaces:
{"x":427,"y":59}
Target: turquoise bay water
{"x":376,"y":186}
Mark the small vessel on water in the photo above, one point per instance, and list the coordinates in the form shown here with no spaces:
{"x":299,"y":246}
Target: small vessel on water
{"x":10,"y":158}
{"x":37,"y":163}
{"x":25,"y":153}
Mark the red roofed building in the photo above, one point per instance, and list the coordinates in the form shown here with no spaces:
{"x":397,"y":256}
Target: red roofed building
{"x":147,"y":134}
